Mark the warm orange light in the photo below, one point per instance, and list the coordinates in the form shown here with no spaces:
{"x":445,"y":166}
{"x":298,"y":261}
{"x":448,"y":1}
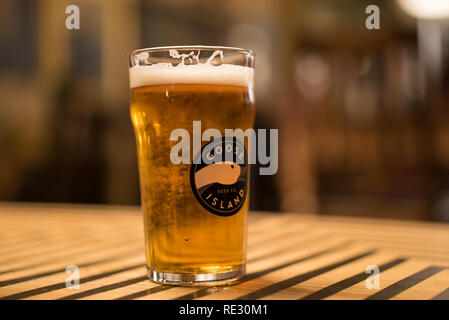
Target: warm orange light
{"x":426,"y":9}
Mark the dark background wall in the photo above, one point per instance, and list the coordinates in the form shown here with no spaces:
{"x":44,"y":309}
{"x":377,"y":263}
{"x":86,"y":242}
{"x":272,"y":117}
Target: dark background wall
{"x":363,"y":115}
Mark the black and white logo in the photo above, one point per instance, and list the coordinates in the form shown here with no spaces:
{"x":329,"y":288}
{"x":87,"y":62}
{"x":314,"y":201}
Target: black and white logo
{"x":219,"y":176}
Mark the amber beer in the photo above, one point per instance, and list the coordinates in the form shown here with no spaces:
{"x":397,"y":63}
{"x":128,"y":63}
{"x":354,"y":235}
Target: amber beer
{"x":194,"y":214}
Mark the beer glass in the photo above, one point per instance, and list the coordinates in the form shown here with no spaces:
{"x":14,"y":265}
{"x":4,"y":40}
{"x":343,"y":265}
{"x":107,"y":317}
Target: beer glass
{"x":183,"y":100}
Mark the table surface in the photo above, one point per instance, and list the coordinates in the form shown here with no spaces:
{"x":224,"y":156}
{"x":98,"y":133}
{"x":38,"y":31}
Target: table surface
{"x":290,"y":256}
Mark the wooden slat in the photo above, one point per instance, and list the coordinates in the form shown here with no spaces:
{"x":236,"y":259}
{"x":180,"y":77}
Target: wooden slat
{"x":427,"y":289}
{"x":311,"y":286}
{"x":290,"y":256}
{"x":386,"y":279}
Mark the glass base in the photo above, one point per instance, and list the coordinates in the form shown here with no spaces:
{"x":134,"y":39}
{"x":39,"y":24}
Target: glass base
{"x":196,"y":279}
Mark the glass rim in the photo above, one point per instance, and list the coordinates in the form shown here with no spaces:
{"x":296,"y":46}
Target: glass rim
{"x":192,"y":47}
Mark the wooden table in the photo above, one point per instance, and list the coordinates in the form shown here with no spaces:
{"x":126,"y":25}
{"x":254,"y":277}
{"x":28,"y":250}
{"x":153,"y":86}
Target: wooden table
{"x":290,"y":256}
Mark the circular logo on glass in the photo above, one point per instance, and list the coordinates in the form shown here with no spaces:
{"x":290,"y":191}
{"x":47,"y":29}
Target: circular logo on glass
{"x":219,"y":176}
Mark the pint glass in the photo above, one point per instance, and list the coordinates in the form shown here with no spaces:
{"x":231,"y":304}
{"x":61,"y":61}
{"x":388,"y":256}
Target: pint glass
{"x":194,"y":176}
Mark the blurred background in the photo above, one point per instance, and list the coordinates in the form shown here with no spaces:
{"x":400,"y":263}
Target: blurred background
{"x":363,"y":115}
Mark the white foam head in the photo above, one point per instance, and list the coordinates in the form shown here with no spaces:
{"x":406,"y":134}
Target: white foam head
{"x":200,"y":73}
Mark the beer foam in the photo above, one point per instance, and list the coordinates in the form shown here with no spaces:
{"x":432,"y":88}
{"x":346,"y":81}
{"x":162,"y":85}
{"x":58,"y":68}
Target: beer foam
{"x":163,"y":73}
